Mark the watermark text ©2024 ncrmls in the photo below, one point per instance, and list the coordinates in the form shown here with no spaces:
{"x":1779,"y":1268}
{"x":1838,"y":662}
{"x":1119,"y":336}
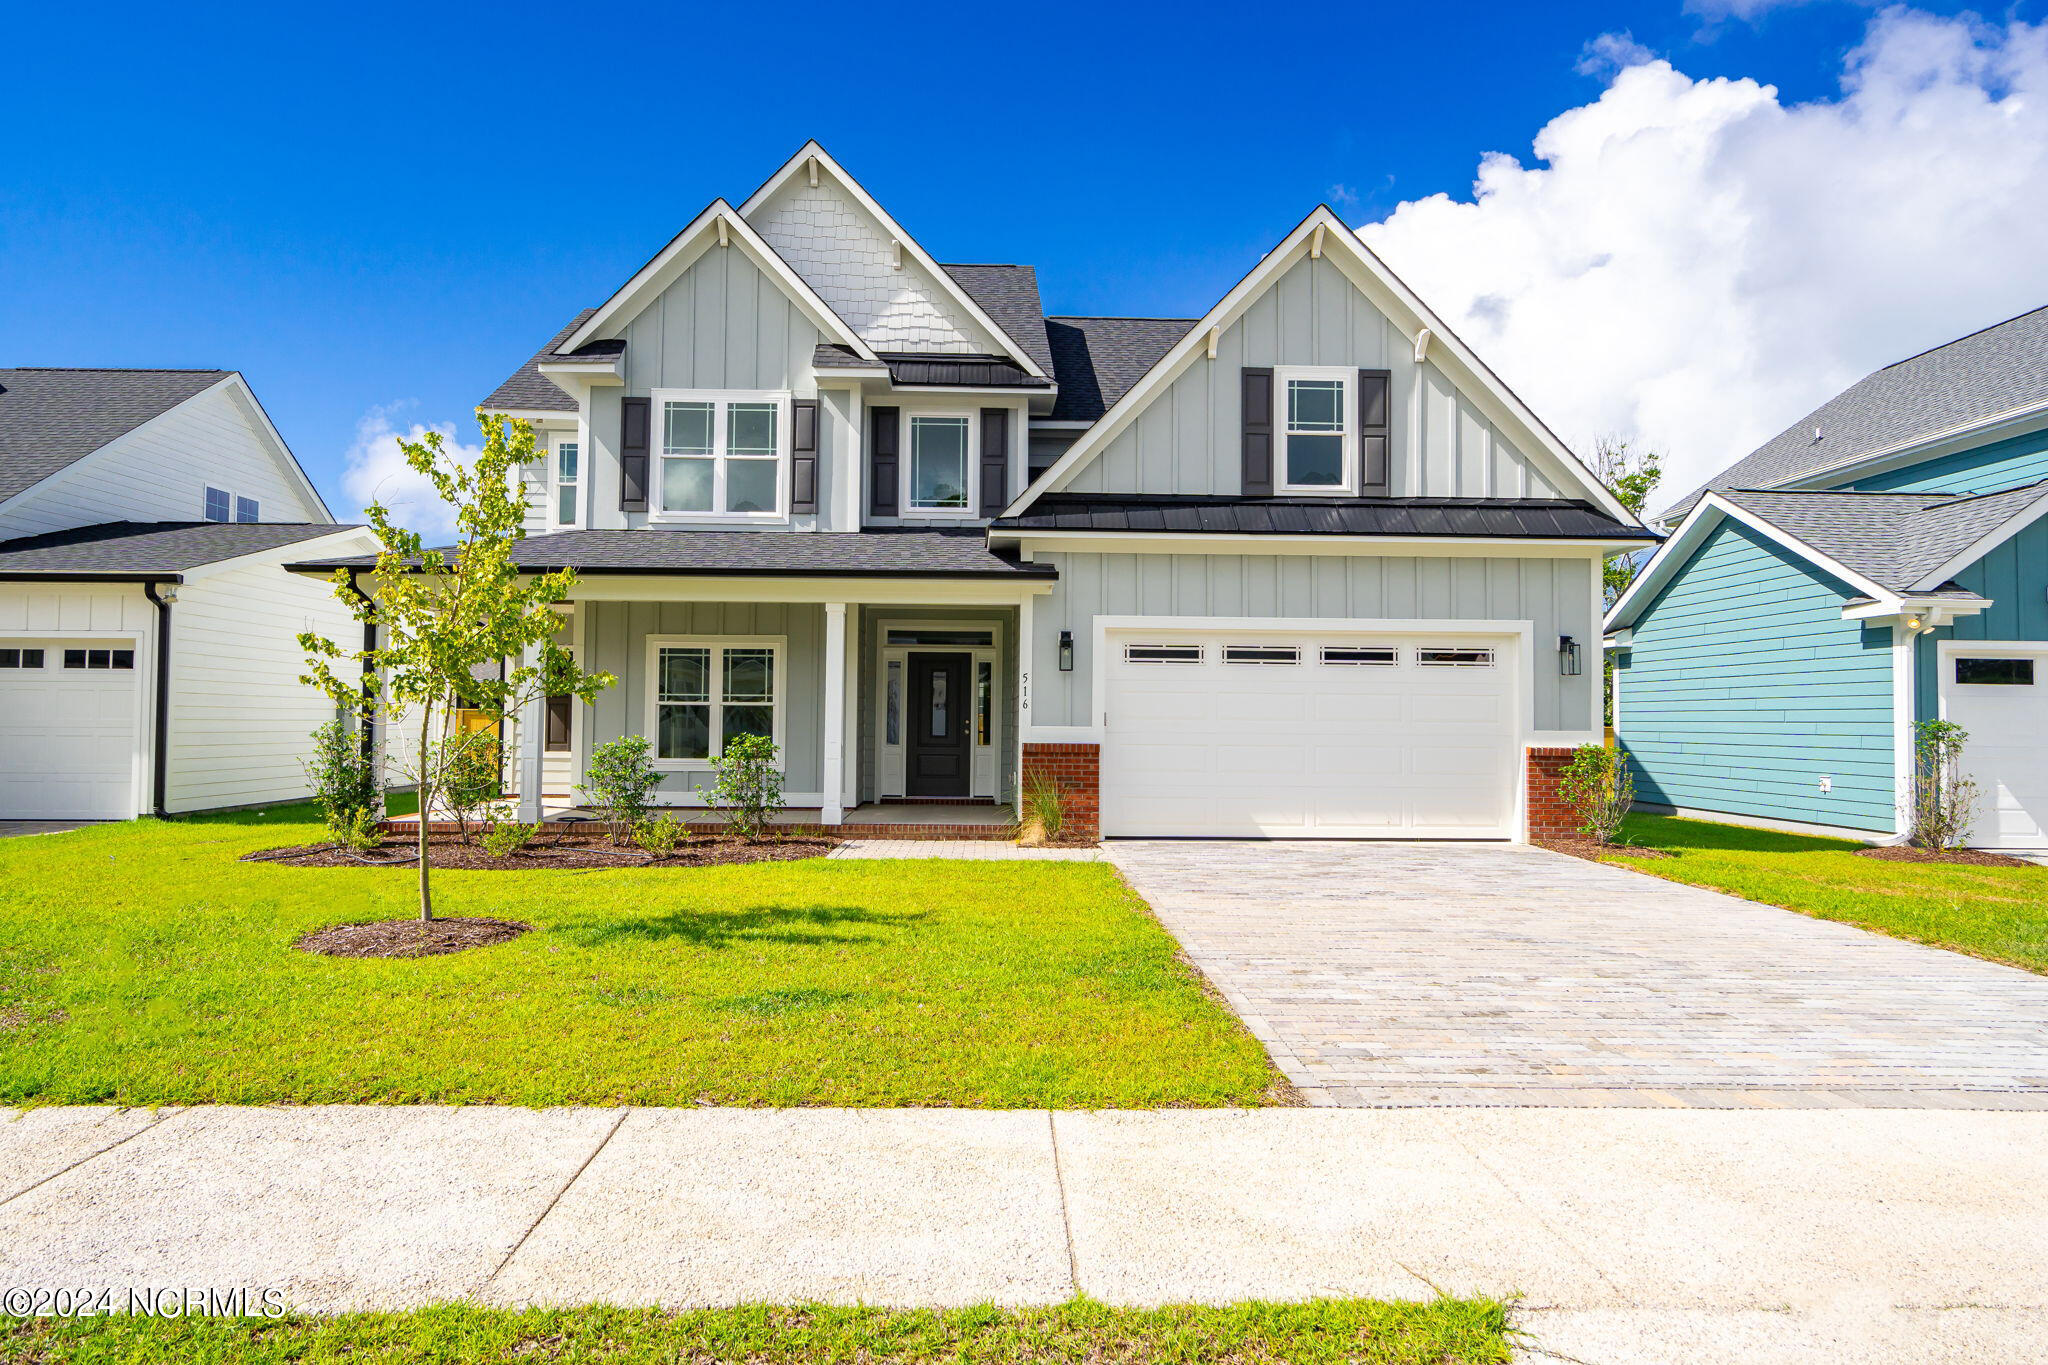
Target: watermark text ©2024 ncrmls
{"x":152,"y":1301}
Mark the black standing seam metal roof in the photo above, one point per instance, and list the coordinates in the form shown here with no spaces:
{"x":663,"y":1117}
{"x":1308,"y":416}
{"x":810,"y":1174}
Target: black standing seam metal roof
{"x":150,"y":548}
{"x":788,"y":554}
{"x":1520,"y":518}
{"x":52,"y":418}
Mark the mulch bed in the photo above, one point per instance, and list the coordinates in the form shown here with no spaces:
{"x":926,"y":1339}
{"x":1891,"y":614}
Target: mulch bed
{"x":550,"y":853}
{"x":410,"y":937}
{"x":1969,"y":857}
{"x":1593,"y":853}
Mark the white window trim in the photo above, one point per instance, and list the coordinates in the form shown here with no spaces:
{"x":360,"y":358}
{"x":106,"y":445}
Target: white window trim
{"x":235,"y":501}
{"x":659,"y":399}
{"x":554,"y":486}
{"x":906,"y":476}
{"x":1347,"y":409}
{"x":717,"y":644}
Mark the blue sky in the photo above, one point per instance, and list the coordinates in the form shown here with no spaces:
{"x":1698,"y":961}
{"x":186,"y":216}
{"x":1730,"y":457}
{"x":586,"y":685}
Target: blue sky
{"x":375,"y":206}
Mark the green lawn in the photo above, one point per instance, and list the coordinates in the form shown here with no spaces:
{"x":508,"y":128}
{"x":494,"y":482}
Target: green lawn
{"x":1356,"y":1331}
{"x":141,"y":964}
{"x":2000,"y":913}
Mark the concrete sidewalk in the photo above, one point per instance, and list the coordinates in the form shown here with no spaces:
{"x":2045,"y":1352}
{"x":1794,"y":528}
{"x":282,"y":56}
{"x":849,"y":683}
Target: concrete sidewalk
{"x":1633,"y":1236}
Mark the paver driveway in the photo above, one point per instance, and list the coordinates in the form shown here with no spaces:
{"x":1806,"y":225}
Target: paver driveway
{"x":1497,"y":974}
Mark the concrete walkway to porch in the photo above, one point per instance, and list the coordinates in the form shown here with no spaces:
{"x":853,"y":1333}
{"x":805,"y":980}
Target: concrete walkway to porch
{"x":1634,"y":1237}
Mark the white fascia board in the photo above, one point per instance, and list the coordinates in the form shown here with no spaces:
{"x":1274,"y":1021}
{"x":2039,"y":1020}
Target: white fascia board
{"x":1619,"y":639}
{"x":1167,"y":542}
{"x":1998,"y":426}
{"x":610,"y":371}
{"x":895,"y":229}
{"x":1935,"y":613}
{"x":1984,"y":544}
{"x":1371,"y":276}
{"x":683,"y":249}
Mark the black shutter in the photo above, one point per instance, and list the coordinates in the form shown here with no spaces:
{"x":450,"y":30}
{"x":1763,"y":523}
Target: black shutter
{"x":803,"y":455}
{"x":634,"y":419}
{"x":1258,"y":431}
{"x":1373,"y":431}
{"x":883,"y":428}
{"x":995,"y":461}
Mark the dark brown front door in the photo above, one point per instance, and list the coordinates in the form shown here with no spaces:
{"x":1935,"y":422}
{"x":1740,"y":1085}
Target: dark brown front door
{"x":938,"y":755}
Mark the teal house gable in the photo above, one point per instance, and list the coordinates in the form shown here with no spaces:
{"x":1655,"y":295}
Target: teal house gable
{"x":1981,"y":469}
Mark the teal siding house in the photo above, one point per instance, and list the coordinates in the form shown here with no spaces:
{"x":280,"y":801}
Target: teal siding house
{"x":1881,"y":562}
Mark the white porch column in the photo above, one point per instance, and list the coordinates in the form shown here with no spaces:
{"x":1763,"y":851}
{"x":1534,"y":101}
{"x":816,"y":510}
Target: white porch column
{"x":531,"y":727}
{"x":833,"y":781}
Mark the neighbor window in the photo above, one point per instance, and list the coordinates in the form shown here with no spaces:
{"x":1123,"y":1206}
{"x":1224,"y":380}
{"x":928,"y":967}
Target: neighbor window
{"x":1996,"y":672}
{"x":938,"y":463}
{"x":568,"y":481}
{"x":21,"y":658}
{"x":1316,"y":439}
{"x":98,"y":658}
{"x":219,"y":506}
{"x":722,"y":456}
{"x":706,"y":694}
{"x":246,"y":510}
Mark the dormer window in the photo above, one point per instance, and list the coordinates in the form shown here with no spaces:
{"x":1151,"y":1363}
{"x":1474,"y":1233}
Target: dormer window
{"x":722,"y":454}
{"x":1318,"y":445}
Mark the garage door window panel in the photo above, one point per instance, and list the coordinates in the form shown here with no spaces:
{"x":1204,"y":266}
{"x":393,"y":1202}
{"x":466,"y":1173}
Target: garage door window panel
{"x":21,"y":658}
{"x":1163,"y":654}
{"x":1982,"y":672}
{"x":1261,"y":654}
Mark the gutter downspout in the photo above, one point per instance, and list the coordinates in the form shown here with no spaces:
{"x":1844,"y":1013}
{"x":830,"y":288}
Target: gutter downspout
{"x":369,"y":727}
{"x":162,"y":738}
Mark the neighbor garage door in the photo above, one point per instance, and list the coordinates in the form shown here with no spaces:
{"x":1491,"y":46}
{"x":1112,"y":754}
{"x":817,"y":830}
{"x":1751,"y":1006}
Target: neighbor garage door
{"x":1999,"y":694}
{"x":1309,"y":735}
{"x":67,"y":729}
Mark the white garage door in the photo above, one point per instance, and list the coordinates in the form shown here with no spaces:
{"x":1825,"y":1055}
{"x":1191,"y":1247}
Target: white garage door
{"x":1309,"y":735}
{"x":67,"y":726}
{"x":1999,"y":694}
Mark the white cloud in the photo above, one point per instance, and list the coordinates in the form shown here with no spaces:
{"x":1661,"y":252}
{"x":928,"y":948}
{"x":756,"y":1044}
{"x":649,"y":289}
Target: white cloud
{"x":1612,"y":52}
{"x":1698,"y":263}
{"x":376,"y":471}
{"x":1745,"y":10}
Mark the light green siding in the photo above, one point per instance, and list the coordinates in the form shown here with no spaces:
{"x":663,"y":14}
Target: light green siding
{"x":2002,"y":464}
{"x":1745,"y":687}
{"x":2015,"y":577}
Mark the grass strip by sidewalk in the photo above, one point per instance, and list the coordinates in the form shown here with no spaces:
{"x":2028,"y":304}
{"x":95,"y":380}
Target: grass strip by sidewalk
{"x":1999,"y":913}
{"x":1370,"y":1332}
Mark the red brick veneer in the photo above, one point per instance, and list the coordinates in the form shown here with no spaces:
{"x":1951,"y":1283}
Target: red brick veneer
{"x":1548,"y":813}
{"x":1077,"y":769}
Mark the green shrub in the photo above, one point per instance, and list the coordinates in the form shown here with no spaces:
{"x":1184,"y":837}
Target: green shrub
{"x":1598,"y":785}
{"x":504,"y":840}
{"x":620,"y":778}
{"x":748,"y":791}
{"x":1944,"y":801}
{"x":359,"y":833}
{"x":658,"y":836}
{"x":343,"y":777}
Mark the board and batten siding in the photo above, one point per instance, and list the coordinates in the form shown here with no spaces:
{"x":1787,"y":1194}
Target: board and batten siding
{"x":1188,"y":439}
{"x":722,"y":324}
{"x":615,"y":641}
{"x":1986,"y":469}
{"x":160,"y":472}
{"x":1745,"y":687}
{"x":1556,"y":595}
{"x":2015,"y":577}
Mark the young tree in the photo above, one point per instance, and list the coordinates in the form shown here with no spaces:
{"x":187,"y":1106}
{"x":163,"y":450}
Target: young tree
{"x":1631,"y":475}
{"x":447,"y":612}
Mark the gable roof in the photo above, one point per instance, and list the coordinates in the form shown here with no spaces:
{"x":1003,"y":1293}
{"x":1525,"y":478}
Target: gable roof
{"x":1999,"y":372}
{"x":528,"y":390}
{"x":1009,"y":295}
{"x":812,"y":152}
{"x":1096,"y":360}
{"x":1323,"y":232}
{"x":150,"y":548}
{"x":52,"y":418}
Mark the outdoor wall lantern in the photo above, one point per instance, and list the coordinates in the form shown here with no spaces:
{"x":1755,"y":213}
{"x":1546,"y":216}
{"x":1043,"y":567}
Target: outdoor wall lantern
{"x":1567,"y":656}
{"x":1066,"y":651}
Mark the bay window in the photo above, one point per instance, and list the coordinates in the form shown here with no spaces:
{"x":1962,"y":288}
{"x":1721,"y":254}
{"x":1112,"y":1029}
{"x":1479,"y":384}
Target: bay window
{"x":721,"y":454}
{"x":705,"y":693}
{"x":1318,"y":443}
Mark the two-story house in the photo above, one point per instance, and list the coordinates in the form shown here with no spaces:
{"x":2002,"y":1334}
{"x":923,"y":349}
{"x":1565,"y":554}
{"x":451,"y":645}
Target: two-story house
{"x":1881,"y":562}
{"x":148,"y":660}
{"x":1301,"y":566}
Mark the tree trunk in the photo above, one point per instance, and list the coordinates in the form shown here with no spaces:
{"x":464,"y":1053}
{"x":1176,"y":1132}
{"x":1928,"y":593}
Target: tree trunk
{"x":426,"y":890}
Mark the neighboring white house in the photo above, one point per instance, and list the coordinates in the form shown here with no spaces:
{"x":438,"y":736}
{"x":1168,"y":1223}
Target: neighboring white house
{"x":148,"y":661}
{"x":1300,"y":567}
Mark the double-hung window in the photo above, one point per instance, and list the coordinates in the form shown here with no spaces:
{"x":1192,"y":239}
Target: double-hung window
{"x":568,"y":468}
{"x":1318,"y":437}
{"x":941,"y":455}
{"x":722,"y":454}
{"x":706,"y":693}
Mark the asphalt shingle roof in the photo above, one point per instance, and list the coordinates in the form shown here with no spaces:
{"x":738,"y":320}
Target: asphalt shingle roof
{"x":821,"y":554}
{"x":1557,"y":518}
{"x":1968,"y":380}
{"x":150,"y":547}
{"x":1894,"y":539}
{"x":1009,"y":295}
{"x":1097,"y":360}
{"x":528,"y":390}
{"x":52,"y":418}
